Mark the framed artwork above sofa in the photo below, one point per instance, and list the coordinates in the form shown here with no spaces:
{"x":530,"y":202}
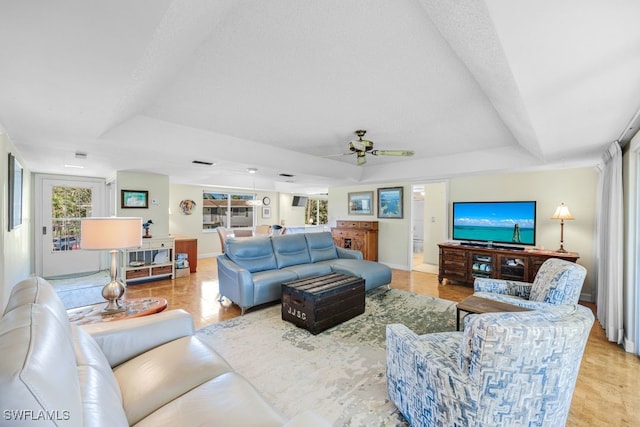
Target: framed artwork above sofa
{"x":390,"y":202}
{"x":361,"y":203}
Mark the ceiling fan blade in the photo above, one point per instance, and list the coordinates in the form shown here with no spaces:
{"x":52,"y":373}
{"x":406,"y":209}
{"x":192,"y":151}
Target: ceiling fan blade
{"x":392,"y":153}
{"x":338,"y":154}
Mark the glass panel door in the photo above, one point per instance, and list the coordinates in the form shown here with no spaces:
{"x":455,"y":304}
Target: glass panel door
{"x":64,"y":204}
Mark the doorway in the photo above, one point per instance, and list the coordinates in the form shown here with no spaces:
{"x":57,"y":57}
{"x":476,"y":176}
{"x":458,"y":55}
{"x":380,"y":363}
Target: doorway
{"x":61,"y":203}
{"x":429,"y":224}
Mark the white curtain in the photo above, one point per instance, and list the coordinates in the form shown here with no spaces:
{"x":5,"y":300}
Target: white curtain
{"x":609,"y":245}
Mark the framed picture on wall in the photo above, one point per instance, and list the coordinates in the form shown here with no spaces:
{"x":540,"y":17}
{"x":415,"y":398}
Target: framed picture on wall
{"x":134,"y":199}
{"x":15,"y":193}
{"x":266,"y":212}
{"x":361,"y":203}
{"x":390,"y":202}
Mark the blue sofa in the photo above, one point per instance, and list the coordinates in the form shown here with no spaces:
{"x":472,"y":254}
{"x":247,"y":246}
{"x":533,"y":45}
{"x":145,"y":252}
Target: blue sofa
{"x":251,"y":271}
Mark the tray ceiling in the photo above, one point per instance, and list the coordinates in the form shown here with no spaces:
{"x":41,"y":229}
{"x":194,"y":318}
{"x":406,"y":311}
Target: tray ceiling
{"x":469,"y":86}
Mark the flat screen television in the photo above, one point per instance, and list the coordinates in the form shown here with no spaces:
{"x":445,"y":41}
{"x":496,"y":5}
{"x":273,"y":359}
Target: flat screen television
{"x":497,"y":222}
{"x":300,"y":201}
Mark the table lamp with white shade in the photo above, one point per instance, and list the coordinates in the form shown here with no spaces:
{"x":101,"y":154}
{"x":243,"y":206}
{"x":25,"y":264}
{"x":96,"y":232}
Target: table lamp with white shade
{"x":112,"y":234}
{"x":562,"y":213}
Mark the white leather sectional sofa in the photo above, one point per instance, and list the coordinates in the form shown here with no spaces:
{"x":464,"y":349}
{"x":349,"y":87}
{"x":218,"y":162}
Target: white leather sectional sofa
{"x":147,"y":371}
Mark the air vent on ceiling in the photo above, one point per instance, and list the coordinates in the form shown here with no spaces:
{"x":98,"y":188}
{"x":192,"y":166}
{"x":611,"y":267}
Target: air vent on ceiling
{"x":202,"y":162}
{"x":287,"y":175}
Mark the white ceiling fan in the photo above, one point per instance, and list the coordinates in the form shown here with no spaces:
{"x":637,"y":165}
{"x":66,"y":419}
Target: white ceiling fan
{"x":360,"y":147}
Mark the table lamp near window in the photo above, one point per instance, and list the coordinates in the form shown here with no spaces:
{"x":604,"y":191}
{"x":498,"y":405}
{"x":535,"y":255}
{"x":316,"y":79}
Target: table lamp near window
{"x":112,"y":234}
{"x":562,"y":213}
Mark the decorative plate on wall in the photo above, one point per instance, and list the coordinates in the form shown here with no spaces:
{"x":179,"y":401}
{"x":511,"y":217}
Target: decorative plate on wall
{"x":186,"y":206}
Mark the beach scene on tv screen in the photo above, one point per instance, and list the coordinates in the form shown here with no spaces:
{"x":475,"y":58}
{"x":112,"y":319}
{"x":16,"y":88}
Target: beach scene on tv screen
{"x":497,"y":222}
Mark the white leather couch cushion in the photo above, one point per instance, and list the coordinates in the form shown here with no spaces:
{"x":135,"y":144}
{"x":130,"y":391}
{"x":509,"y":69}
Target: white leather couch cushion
{"x":99,"y":389}
{"x":228,"y":400}
{"x":36,"y":290}
{"x":163,"y":374}
{"x":39,"y":381}
{"x":122,"y":341}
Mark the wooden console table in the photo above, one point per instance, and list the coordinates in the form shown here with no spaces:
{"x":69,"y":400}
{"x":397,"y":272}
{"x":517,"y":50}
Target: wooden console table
{"x":152,"y":261}
{"x":463,"y":263}
{"x":136,"y":307}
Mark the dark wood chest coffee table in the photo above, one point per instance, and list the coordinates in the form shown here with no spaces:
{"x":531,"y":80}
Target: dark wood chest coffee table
{"x":475,"y":304}
{"x":320,"y":302}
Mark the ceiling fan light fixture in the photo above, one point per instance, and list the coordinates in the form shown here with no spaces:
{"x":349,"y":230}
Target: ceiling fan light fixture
{"x":363,"y":146}
{"x":255,"y":201}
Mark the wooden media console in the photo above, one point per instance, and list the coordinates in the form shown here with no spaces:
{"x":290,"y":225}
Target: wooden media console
{"x":463,"y":263}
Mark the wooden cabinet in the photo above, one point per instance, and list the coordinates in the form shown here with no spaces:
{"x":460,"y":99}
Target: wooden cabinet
{"x":153,"y":260}
{"x":453,"y":264}
{"x":464,"y":263}
{"x":358,"y":235}
{"x":189,"y":246}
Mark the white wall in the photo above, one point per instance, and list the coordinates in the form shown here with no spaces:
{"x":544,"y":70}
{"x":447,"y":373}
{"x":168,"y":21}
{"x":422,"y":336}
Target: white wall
{"x":290,"y":215}
{"x":208,"y":241}
{"x":16,"y":248}
{"x":435,"y":220}
{"x":394,"y":234}
{"x":181,"y":225}
{"x":575,"y":187}
{"x":158,"y":188}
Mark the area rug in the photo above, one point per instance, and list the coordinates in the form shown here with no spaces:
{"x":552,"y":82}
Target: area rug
{"x":339,"y":373}
{"x":80,"y":289}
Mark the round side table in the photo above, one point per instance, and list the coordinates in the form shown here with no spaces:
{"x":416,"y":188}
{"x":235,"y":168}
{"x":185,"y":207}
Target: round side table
{"x":135,"y":307}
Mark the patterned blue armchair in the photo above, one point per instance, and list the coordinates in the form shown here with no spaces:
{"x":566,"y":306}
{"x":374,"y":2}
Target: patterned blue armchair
{"x":557,"y":282}
{"x":505,"y":369}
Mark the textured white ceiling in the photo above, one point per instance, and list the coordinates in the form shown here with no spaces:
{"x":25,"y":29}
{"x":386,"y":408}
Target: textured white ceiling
{"x":470,"y":86}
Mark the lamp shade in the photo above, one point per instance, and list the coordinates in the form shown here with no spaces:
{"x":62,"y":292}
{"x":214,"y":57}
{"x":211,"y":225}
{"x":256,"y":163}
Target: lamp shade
{"x":562,"y":212}
{"x":110,"y":233}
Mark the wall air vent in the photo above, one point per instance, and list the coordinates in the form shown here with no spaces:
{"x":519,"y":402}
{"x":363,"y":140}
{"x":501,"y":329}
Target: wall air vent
{"x":202,"y":162}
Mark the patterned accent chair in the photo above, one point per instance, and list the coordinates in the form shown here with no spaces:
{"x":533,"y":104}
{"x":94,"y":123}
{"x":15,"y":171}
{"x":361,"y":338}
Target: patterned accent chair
{"x":505,"y":369}
{"x":557,"y":282}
